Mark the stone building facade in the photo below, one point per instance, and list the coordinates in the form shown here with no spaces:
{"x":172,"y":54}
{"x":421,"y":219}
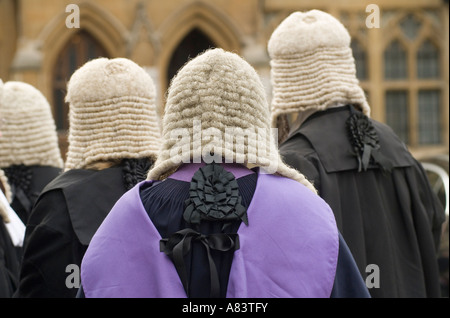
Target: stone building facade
{"x":401,"y":48}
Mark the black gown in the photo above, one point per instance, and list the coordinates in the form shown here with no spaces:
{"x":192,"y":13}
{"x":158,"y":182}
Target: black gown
{"x":62,"y":223}
{"x":9,"y":264}
{"x":390,"y":219}
{"x":22,"y":203}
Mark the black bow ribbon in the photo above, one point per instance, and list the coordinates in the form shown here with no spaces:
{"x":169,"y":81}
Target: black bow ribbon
{"x":179,"y":244}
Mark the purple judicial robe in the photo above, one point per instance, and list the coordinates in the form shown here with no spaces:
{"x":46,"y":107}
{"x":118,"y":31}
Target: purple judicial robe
{"x":289,"y":249}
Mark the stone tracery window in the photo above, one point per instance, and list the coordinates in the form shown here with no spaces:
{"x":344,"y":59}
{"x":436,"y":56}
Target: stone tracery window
{"x":428,"y":60}
{"x":395,"y":61}
{"x":412,"y":75}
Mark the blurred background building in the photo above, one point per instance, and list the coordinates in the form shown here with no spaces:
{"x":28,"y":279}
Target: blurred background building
{"x":403,"y":64}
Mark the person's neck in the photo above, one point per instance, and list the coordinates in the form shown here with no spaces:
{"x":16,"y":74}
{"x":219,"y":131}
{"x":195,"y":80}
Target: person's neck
{"x":187,"y":170}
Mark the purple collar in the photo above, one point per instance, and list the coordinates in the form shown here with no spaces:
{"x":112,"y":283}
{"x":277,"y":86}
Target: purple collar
{"x":187,"y":170}
{"x":289,"y":249}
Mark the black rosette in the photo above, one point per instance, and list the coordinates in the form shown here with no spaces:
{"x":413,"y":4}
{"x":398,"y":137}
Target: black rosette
{"x":214,"y":196}
{"x":365,"y":142}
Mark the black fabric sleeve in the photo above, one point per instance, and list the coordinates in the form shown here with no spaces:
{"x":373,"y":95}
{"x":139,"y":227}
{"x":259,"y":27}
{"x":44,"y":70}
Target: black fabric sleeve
{"x":9,"y":264}
{"x":348,"y":282}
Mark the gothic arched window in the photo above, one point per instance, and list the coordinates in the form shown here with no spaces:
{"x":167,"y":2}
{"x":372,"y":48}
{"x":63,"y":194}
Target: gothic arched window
{"x":427,"y":60}
{"x":395,"y":61}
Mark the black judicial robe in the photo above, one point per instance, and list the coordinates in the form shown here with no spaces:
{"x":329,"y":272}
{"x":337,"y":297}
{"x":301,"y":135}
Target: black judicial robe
{"x":9,"y":264}
{"x":22,"y":203}
{"x":390,"y":219}
{"x":63,"y":221}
